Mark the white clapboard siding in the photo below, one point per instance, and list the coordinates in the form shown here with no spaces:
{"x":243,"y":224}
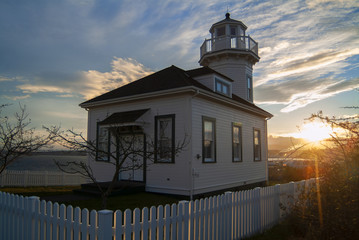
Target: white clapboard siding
{"x":232,"y":215}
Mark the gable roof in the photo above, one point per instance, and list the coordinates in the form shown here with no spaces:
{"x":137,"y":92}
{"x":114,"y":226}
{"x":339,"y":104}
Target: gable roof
{"x":167,"y":79}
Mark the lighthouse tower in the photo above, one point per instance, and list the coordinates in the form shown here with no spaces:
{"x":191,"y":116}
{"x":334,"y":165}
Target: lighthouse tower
{"x":232,"y":53}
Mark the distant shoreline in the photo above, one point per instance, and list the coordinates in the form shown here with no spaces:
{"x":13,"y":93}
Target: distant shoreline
{"x":59,"y":153}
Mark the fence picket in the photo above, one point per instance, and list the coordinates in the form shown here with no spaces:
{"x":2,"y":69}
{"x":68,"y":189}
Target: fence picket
{"x":62,"y":222}
{"x":174,"y":221}
{"x":55,"y":220}
{"x":69,"y":217}
{"x":84,"y":223}
{"x":137,"y":224}
{"x":167,"y":219}
{"x":145,"y":224}
{"x":47,"y":219}
{"x":127,"y":222}
{"x":93,"y":225}
{"x":233,"y":215}
{"x":153,"y":223}
{"x":77,"y":219}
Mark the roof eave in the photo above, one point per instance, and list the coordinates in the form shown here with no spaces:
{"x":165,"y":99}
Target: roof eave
{"x":137,"y":97}
{"x":193,"y":89}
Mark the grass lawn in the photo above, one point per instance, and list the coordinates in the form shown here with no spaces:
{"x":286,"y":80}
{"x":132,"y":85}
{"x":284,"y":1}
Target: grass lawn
{"x":127,"y":201}
{"x":121,"y":202}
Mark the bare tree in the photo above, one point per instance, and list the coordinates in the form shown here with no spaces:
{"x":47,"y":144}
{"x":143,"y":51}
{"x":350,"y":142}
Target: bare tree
{"x":17,"y":138}
{"x":124,"y":151}
{"x":330,"y":208}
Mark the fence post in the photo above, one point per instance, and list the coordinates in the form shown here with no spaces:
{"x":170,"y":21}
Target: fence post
{"x":2,"y":176}
{"x":63,"y":178}
{"x":105,"y":224}
{"x":46,"y":178}
{"x":185,"y":219}
{"x":26,"y":177}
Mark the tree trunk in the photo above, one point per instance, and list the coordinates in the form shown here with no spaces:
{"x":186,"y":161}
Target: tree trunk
{"x":104,"y":198}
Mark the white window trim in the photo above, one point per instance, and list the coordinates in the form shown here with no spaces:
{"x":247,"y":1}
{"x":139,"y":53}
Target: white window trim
{"x":223,"y":82}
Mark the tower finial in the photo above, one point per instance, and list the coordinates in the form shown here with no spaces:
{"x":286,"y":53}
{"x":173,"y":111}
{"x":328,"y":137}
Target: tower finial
{"x":227,"y":15}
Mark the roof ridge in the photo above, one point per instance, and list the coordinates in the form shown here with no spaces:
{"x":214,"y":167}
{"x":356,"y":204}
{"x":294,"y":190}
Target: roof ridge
{"x":183,"y":74}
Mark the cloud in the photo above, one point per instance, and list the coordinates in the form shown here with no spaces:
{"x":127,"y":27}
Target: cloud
{"x":16,"y":98}
{"x":123,"y":72}
{"x":306,"y":49}
{"x":5,"y":79}
{"x":87,"y":84}
{"x":306,"y":46}
{"x":66,"y":115}
{"x":302,"y":91}
{"x":29,"y":88}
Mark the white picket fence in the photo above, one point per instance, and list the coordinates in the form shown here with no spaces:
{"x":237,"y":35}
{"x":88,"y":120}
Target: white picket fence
{"x":12,"y":178}
{"x":233,"y":215}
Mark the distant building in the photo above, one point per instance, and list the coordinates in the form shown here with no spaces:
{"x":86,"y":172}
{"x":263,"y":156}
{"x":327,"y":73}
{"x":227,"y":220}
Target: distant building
{"x":213,"y":105}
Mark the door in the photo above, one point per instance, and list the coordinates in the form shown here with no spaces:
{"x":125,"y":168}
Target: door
{"x":131,"y":149}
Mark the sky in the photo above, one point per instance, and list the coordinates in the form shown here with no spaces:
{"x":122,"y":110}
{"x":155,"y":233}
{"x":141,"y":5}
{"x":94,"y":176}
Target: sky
{"x":56,"y":54}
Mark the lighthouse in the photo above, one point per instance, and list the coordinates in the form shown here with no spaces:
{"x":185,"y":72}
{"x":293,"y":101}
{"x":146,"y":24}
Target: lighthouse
{"x":232,"y":53}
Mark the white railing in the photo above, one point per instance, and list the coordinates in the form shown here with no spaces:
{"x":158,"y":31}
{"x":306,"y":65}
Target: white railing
{"x":229,"y":42}
{"x":12,"y":178}
{"x":233,"y":215}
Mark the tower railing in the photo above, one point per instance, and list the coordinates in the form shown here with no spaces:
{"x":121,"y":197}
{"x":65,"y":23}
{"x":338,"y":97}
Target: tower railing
{"x":229,"y":42}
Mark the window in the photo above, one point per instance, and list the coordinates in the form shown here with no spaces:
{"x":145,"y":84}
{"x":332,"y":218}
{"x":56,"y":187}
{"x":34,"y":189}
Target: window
{"x":233,"y":30}
{"x":103,"y":143}
{"x":209,"y":139}
{"x":221,"y":31}
{"x":164,"y":139}
{"x":249,"y":88}
{"x":237,"y":142}
{"x":257,"y":144}
{"x":222,"y":87}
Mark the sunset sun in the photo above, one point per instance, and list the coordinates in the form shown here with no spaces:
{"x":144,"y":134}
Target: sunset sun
{"x":314,"y":131}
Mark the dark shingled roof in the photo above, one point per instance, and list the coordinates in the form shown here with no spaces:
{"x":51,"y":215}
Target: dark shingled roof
{"x":204,"y":71}
{"x":168,"y":78}
{"x":124,"y":117}
{"x":228,"y":20}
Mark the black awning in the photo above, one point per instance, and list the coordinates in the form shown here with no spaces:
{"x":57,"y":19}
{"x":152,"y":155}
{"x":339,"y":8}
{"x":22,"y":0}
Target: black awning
{"x":124,"y":117}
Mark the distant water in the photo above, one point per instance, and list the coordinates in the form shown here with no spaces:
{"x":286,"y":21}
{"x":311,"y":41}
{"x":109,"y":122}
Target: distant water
{"x":42,"y":162}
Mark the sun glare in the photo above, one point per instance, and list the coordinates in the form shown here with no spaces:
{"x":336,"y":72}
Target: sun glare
{"x":314,"y":131}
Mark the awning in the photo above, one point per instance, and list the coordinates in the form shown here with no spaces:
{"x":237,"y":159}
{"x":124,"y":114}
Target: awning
{"x":124,"y":118}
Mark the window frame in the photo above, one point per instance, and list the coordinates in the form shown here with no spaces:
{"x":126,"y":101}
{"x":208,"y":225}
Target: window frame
{"x":259,"y":145}
{"x":222,"y":83}
{"x":237,"y":125}
{"x":157,"y":159}
{"x":249,"y":87}
{"x":98,"y":157}
{"x":213,"y":121}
